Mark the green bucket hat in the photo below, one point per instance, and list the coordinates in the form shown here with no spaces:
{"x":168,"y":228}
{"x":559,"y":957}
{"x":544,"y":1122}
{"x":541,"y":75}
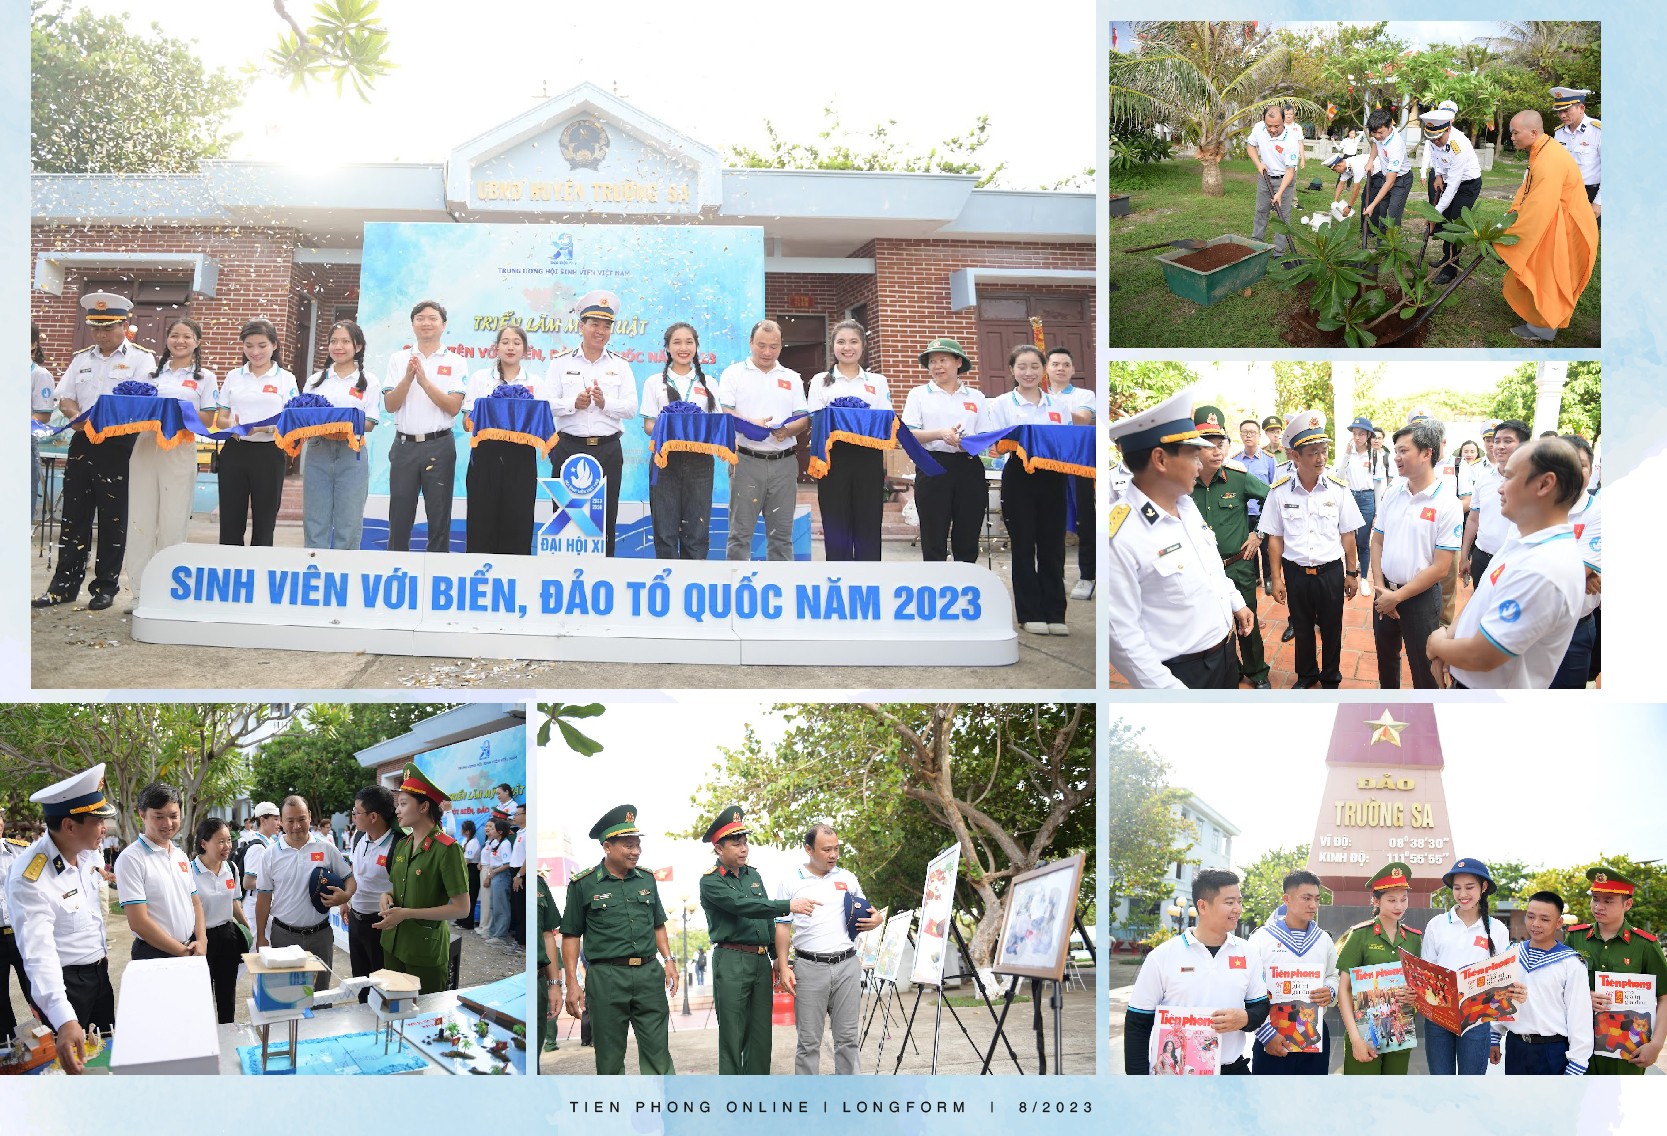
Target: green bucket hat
{"x":943,"y":345}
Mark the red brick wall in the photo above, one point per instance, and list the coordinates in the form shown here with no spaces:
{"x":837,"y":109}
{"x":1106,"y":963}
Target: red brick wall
{"x":329,"y":285}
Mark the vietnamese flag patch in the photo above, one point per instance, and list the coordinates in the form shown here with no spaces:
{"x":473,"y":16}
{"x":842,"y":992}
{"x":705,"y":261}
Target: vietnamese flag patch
{"x":1428,"y":514}
{"x":382,"y":861}
{"x":443,"y":372}
{"x":1482,"y":941}
{"x":231,"y":884}
{"x":1053,"y":416}
{"x":784,"y":384}
{"x":972,"y":406}
{"x":355,"y":392}
{"x":1498,"y":571}
{"x":842,"y":887}
{"x":1235,"y":962}
{"x":184,"y":867}
{"x":318,"y":857}
{"x":269,"y":389}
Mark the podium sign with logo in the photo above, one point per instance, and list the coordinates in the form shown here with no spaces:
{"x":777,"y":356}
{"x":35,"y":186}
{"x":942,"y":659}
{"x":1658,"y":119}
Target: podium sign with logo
{"x":577,"y":525}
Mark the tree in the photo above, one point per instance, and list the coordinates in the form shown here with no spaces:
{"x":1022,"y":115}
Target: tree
{"x":1582,"y":408}
{"x":198,"y":749}
{"x":1210,"y":80}
{"x":1303,"y":386}
{"x":839,"y":149}
{"x":1144,"y":832}
{"x":344,"y":43}
{"x":1135,"y":386}
{"x":314,"y":756}
{"x":1261,"y":883}
{"x":1649,"y":905}
{"x":898,"y":782}
{"x":107,"y":100}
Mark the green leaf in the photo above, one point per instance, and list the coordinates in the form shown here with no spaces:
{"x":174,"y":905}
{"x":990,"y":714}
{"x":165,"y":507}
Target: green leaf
{"x":577,"y":742}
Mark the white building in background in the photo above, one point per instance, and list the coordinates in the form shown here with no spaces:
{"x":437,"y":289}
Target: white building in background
{"x":1212,"y":847}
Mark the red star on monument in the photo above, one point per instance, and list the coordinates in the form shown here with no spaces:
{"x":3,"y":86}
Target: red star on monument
{"x":1387,"y":729}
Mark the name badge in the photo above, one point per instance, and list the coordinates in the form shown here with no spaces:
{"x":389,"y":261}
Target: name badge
{"x":784,"y":384}
{"x":1166,"y":551}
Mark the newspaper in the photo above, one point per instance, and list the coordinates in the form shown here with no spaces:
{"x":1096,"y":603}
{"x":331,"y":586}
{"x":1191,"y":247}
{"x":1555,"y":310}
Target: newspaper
{"x":1627,"y":1023}
{"x":1386,"y":1023}
{"x":1458,"y":999}
{"x":1185,"y":1043}
{"x":1294,"y":1018}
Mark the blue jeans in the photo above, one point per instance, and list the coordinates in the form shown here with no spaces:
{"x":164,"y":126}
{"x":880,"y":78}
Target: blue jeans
{"x":1367,"y":501}
{"x":1548,"y":1060}
{"x":1573,"y":671}
{"x":1466,"y":1053}
{"x":501,"y":901}
{"x":335,"y":480}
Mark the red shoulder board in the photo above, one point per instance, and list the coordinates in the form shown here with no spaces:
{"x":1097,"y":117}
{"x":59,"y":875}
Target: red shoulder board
{"x":1644,"y":935}
{"x":1412,"y":931}
{"x":444,"y":840}
{"x":1580,"y":927}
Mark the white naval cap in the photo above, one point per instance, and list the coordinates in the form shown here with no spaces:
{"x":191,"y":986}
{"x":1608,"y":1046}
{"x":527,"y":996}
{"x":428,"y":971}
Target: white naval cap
{"x":79,"y":796}
{"x":105,"y":308}
{"x":598,"y":304}
{"x":1562,"y":97}
{"x":1441,"y":116}
{"x":1168,"y":421}
{"x":1304,"y":426}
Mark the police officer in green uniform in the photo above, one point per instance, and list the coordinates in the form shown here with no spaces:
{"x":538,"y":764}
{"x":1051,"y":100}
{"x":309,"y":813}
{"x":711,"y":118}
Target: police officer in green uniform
{"x":430,"y":886}
{"x":549,"y":920}
{"x":614,"y":915}
{"x":1611,"y":943}
{"x":1379,"y":939}
{"x":740,"y":917}
{"x":1223,"y":494}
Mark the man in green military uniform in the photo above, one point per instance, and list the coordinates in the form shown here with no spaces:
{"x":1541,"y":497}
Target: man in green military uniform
{"x":549,"y":921}
{"x":740,"y":917}
{"x":429,"y":886}
{"x":1223,"y":493}
{"x":1379,"y":939}
{"x":1611,"y":943}
{"x":614,"y":916}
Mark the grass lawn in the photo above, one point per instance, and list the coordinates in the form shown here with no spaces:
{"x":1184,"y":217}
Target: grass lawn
{"x":1145,"y":313}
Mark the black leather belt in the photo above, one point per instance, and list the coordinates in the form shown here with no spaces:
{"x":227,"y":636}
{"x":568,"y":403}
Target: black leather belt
{"x":591,"y":439}
{"x":769,"y":455}
{"x":812,"y":956}
{"x":1309,"y":570}
{"x":743,"y":948}
{"x":429,"y":437}
{"x":314,"y":929}
{"x":1540,"y":1038}
{"x":1199,"y":656}
{"x":629,"y":960}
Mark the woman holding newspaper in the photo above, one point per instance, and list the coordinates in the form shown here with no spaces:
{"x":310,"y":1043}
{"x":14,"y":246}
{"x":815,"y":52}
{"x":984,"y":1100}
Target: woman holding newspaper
{"x":1464,"y":934}
{"x":1366,"y":945}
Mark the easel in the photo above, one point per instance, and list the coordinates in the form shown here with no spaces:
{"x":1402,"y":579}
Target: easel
{"x":886,"y":989}
{"x":937,"y":1020}
{"x":47,"y":520}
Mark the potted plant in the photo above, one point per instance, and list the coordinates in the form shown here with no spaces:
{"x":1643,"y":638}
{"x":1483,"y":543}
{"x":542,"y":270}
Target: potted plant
{"x":1362,"y":294}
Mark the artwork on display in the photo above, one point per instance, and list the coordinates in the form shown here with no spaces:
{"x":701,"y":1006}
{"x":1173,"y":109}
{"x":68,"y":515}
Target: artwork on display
{"x":937,"y":908}
{"x":869,"y":942}
{"x":894,"y":940}
{"x":1036,"y":927}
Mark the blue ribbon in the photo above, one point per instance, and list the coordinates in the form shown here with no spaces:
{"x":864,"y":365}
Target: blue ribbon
{"x":1071,"y":445}
{"x":710,"y":429}
{"x":753,"y":432}
{"x":171,"y":414}
{"x":529,"y":416}
{"x":294,"y":418}
{"x":870,"y":423}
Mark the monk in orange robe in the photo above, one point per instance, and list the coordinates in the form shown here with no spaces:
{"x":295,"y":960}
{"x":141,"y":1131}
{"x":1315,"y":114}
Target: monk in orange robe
{"x":1550,"y":265}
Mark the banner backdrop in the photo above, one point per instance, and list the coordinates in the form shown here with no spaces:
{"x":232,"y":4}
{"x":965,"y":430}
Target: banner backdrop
{"x":488,"y":275}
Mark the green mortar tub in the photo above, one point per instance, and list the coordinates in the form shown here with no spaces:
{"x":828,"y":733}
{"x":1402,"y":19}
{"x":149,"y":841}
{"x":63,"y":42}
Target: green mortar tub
{"x":1208,"y":288}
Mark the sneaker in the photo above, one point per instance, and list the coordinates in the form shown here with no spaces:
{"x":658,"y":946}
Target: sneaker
{"x":1532,"y":333}
{"x":1083,"y":591}
{"x":1058,"y":629}
{"x":1365,"y":586}
{"x":1036,"y":628}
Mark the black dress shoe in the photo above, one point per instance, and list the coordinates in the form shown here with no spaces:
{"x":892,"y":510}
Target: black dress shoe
{"x":1289,"y":634}
{"x":100,"y":602}
{"x":1261,"y":684}
{"x":50,"y":600}
{"x":1308,"y":684}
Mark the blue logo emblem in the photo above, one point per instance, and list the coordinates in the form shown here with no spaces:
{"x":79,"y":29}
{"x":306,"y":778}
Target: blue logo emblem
{"x":1593,"y":544}
{"x":581,"y":475}
{"x":580,"y":499}
{"x":1510,"y":611}
{"x":563,"y":246}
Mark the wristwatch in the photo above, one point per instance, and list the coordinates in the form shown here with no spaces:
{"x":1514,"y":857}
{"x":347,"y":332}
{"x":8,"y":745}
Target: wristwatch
{"x":1346,"y":572}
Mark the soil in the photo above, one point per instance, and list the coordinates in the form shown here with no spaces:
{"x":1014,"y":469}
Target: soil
{"x":1300,"y":330}
{"x":1214,"y":257}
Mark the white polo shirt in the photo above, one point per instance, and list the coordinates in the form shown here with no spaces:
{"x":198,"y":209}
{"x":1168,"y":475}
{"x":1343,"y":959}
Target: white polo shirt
{"x":1279,"y":152}
{"x":1311,"y":522}
{"x":518,"y":850}
{"x":1355,"y":468}
{"x":1182,"y":972}
{"x":1586,"y":519}
{"x":571,"y":373}
{"x":216,"y":891}
{"x":1415,"y":526}
{"x":343,"y":391}
{"x":160,"y":876}
{"x":198,"y":389}
{"x":930,"y":407}
{"x":691,"y":387}
{"x":1390,"y":156}
{"x":870,"y":386}
{"x":255,"y":398}
{"x":1074,"y":398}
{"x":823,"y":931}
{"x":1450,"y":943}
{"x":1526,"y":605}
{"x":41,"y":401}
{"x":1559,"y":1001}
{"x":370,"y":868}
{"x":1013,"y":409}
{"x":771,"y":395}
{"x":418,"y":414}
{"x":283,"y":876}
{"x":1493,"y":531}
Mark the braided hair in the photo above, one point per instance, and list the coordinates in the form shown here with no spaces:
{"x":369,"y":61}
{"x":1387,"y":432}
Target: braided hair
{"x":833,"y":363}
{"x":1487,"y":927}
{"x":166,"y":357}
{"x":357,"y":335}
{"x":665,"y":371}
{"x":521,"y":334}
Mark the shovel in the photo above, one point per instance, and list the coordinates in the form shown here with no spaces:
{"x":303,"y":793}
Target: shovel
{"x":1187,"y":243}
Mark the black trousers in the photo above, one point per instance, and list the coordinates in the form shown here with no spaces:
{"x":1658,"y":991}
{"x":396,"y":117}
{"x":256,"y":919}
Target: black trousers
{"x":468,"y":921}
{"x":1418,"y":617}
{"x":225,"y":955}
{"x":1394,"y":203}
{"x":1316,"y":603}
{"x":1463,"y":199}
{"x":429,"y":468}
{"x":610,"y":455}
{"x":142,"y":950}
{"x":95,"y":486}
{"x":364,"y":942}
{"x":518,"y":912}
{"x":680,"y":505}
{"x":1214,"y":669}
{"x":502,"y":482}
{"x":1479,"y":562}
{"x":1086,"y":561}
{"x":1033,"y":509}
{"x":10,"y":960}
{"x":251,"y":490}
{"x":852,"y":497}
{"x":88,"y":989}
{"x":952,"y":507}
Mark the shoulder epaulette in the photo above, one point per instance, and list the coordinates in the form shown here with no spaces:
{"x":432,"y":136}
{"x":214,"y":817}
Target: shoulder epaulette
{"x":1231,"y":463}
{"x":1332,"y":477}
{"x":1412,"y":930}
{"x":1644,"y":934}
{"x":710,"y":870}
{"x":1580,"y":927}
{"x":1280,"y":482}
{"x":580,"y":875}
{"x":1358,"y":926}
{"x":84,"y":350}
{"x":17,"y":843}
{"x":1595,"y":123}
{"x":444,"y":839}
{"x":1119,"y":514}
{"x":35,"y":868}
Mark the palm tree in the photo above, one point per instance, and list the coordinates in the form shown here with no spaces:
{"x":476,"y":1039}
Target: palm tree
{"x":1209,"y":79}
{"x":1543,"y":45}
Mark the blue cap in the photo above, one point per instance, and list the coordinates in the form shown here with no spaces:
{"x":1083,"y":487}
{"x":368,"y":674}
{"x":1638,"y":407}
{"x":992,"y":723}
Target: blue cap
{"x":1362,"y":423}
{"x":856,"y":907}
{"x":318,"y":882}
{"x":1471,"y":867}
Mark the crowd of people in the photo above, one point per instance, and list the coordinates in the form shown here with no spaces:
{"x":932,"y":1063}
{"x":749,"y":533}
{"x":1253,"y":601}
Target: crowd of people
{"x":1511,"y":526}
{"x":397,"y":878}
{"x":139,"y":493}
{"x":1209,"y":965}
